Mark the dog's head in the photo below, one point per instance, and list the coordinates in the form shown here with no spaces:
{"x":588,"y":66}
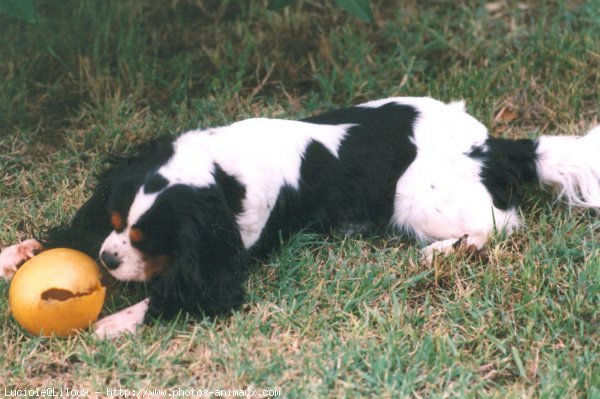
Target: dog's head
{"x":142,"y":239}
{"x":179,"y":235}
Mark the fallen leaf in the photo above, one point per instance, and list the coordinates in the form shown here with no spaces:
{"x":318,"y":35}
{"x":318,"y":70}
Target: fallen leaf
{"x":506,"y":114}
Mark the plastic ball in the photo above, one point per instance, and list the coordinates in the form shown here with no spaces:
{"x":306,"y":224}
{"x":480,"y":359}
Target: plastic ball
{"x":56,"y":292}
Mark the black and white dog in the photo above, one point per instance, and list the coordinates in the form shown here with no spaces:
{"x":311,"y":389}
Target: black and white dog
{"x":188,"y":215}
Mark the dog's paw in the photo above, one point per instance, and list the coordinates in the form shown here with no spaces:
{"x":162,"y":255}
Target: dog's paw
{"x":14,"y":256}
{"x":125,"y":321}
{"x":469,"y":247}
{"x":439,"y":248}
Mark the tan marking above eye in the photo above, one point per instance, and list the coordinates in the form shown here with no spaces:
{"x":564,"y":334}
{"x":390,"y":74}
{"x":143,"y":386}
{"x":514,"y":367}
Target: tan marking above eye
{"x":136,"y":235}
{"x":117,"y":221}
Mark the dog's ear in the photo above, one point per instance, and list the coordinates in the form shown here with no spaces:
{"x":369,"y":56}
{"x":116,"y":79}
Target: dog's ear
{"x":207,"y":270}
{"x":88,"y":228}
{"x":122,"y":174}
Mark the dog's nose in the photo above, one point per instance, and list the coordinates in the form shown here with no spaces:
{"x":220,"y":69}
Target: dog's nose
{"x":109,"y":260}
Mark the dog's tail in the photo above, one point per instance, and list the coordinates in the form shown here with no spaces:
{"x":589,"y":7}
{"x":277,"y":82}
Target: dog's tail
{"x":568,"y":164}
{"x":571,"y":165}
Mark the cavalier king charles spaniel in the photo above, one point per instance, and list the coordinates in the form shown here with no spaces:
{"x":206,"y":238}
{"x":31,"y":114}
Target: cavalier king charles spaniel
{"x":187,"y":215}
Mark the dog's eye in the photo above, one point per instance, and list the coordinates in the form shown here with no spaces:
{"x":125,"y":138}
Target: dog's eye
{"x":117,"y":221}
{"x":135,"y":235}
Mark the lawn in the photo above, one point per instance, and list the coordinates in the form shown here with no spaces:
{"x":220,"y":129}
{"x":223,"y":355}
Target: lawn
{"x":325,"y":316}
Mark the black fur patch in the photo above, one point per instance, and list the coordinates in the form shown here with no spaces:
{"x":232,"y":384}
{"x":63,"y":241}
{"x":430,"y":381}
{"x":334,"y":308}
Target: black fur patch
{"x":208,"y":268}
{"x":356,"y":187}
{"x":233,"y":191}
{"x":155,"y":183}
{"x":507,"y":165}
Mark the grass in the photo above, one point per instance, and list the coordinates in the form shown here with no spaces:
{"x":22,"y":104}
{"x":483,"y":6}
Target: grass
{"x":325,"y":316}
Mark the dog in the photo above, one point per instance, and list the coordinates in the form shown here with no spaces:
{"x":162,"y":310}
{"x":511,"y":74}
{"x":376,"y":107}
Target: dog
{"x":187,"y":215}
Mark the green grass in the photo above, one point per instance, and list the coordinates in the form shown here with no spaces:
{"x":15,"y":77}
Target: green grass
{"x":325,"y":316}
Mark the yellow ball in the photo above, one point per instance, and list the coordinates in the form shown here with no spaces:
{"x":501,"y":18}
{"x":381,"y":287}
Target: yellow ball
{"x":56,"y":292}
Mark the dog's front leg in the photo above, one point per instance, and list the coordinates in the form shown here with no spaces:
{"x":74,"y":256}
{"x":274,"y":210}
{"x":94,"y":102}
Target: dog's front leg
{"x":14,"y":256}
{"x":125,"y":321}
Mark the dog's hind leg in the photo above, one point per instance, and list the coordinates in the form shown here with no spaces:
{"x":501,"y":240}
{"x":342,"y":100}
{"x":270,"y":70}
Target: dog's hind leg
{"x":447,"y":203}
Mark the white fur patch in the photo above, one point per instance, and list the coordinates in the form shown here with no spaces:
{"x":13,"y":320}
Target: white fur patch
{"x":125,"y":321}
{"x":192,"y":162}
{"x":440,"y":196}
{"x":133,"y":266}
{"x":140,"y":205}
